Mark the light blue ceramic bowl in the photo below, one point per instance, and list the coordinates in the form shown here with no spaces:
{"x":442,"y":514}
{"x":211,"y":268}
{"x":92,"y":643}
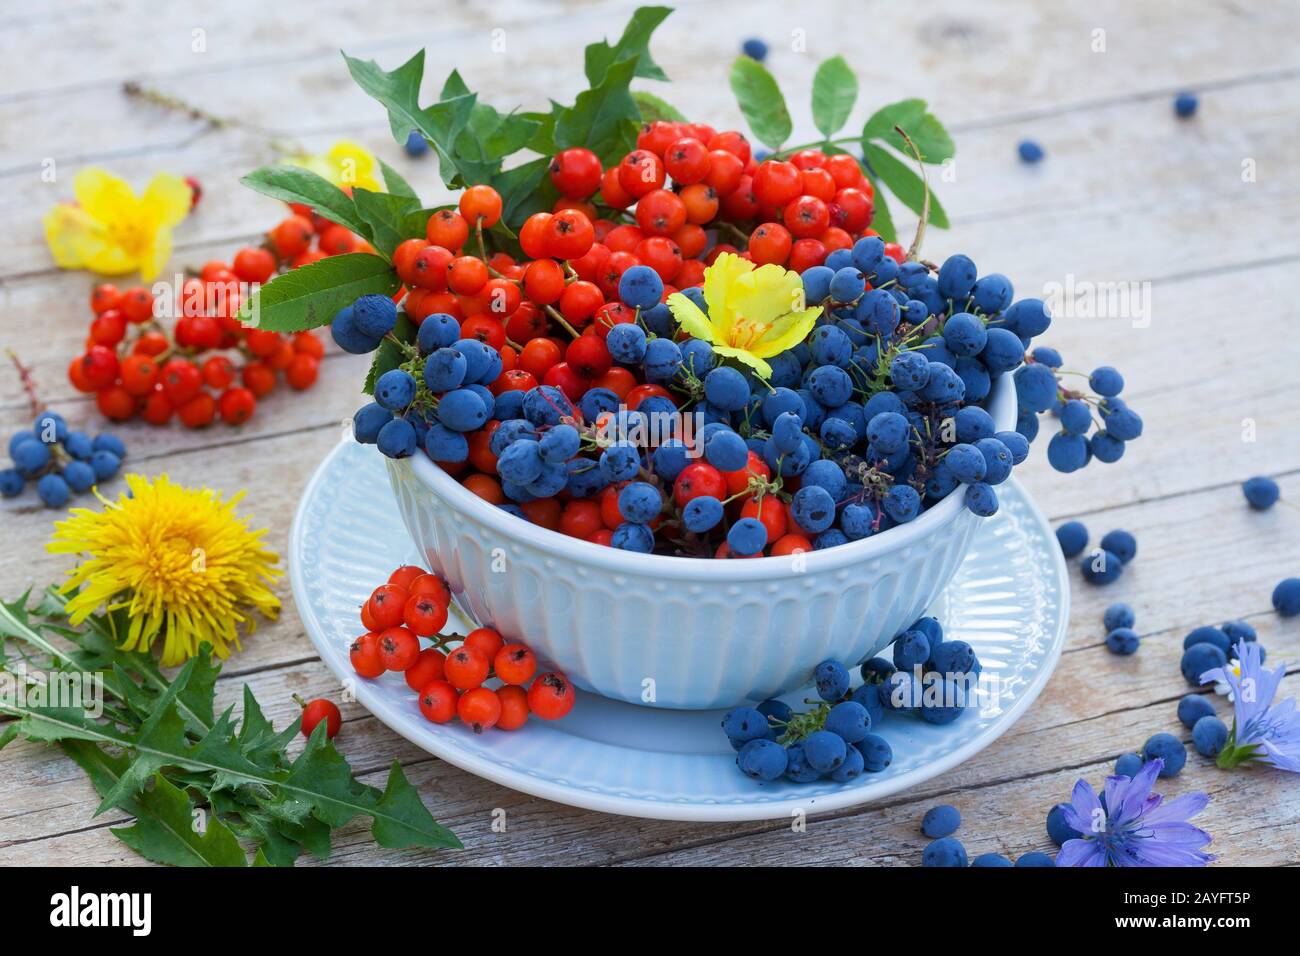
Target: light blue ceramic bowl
{"x":683,"y":632}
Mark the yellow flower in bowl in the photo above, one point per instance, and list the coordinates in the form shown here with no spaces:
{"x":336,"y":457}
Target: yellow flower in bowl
{"x":754,"y":312}
{"x":347,"y":164}
{"x":111,"y":230}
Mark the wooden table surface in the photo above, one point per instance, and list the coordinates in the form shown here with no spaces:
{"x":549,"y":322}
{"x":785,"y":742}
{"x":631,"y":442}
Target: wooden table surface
{"x":1128,"y":193}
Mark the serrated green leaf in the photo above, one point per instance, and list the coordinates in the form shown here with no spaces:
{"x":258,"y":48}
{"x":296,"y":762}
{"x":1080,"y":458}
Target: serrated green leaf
{"x":903,"y":183}
{"x":488,"y":139}
{"x":834,"y":91}
{"x":404,"y":821}
{"x":399,"y":91}
{"x":297,"y":185}
{"x":654,"y":108}
{"x":163,"y":831}
{"x":170,"y":832}
{"x":634,"y":44}
{"x":922,"y":126}
{"x":388,"y":356}
{"x":760,"y":101}
{"x":384,"y":215}
{"x":395,"y":184}
{"x":605,"y":118}
{"x":310,"y":295}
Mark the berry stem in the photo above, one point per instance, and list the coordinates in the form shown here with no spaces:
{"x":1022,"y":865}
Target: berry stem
{"x":915,"y":250}
{"x":29,"y":385}
{"x":554,"y":313}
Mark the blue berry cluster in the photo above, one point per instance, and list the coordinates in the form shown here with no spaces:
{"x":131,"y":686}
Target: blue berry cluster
{"x":877,"y":415}
{"x":1121,"y":638}
{"x":832,"y":741}
{"x":1103,"y":564}
{"x":1095,"y":423}
{"x":929,"y":677}
{"x":59,"y":460}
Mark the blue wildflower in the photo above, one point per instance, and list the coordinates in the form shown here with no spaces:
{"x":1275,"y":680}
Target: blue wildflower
{"x":1134,"y":827}
{"x":1260,"y":730}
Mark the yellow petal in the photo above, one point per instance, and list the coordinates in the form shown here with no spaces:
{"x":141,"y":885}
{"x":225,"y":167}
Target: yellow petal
{"x":787,"y":332}
{"x":68,"y":231}
{"x":352,"y":165}
{"x":167,"y":199}
{"x":720,"y":281}
{"x":155,"y":257}
{"x":749,"y":358}
{"x":691,"y":318}
{"x":765,"y":295}
{"x":104,"y":196}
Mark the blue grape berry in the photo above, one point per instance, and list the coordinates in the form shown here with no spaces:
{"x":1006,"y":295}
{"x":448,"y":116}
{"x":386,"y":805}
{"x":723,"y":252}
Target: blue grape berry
{"x":1168,"y":748}
{"x":747,"y":536}
{"x":1057,"y":828}
{"x":941,"y":821}
{"x":1030,"y":152}
{"x":946,"y":851}
{"x":762,"y":760}
{"x":416,"y":145}
{"x":54,"y":491}
{"x":1207,"y":634}
{"x":1209,"y":736}
{"x":1122,"y":641}
{"x":1198,"y":659}
{"x":395,"y":389}
{"x":1118,"y":615}
{"x":832,"y":680}
{"x":876,"y":753}
{"x":397,"y":439}
{"x":1101,"y":567}
{"x":1286,"y":597}
{"x":1035,"y":858}
{"x":1128,"y":765}
{"x":1072,"y":537}
{"x":1122,"y":544}
{"x":640,"y":287}
{"x":824,"y":750}
{"x":742,"y":724}
{"x":11,"y":483}
{"x":990,"y":860}
{"x":1185,"y":105}
{"x":1192,"y":708}
{"x":849,"y":720}
{"x":1261,"y":492}
{"x":755,"y":49}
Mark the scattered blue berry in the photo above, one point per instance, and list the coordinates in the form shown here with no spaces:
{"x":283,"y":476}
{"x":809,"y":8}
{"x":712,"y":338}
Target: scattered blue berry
{"x":946,"y":851}
{"x":1168,"y":748}
{"x":941,"y":821}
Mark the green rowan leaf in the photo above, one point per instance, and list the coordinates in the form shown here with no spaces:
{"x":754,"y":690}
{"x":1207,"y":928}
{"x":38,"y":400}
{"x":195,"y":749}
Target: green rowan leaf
{"x":310,"y":295}
{"x":761,"y":102}
{"x":834,"y":91}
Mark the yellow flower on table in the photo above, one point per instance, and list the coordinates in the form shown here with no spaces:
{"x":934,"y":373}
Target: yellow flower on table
{"x":754,"y":312}
{"x":186,"y":568}
{"x":347,"y":164}
{"x":112,"y":231}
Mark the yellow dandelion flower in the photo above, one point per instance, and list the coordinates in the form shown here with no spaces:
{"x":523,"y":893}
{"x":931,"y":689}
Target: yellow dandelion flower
{"x":754,"y":313}
{"x":347,"y":164}
{"x":111,"y":230}
{"x":185,"y":567}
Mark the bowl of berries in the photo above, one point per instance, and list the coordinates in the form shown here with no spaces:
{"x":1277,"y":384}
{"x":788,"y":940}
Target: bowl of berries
{"x":671,"y":411}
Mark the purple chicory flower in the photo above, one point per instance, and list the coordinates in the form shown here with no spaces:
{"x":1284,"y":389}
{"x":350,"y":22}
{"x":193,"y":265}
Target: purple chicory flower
{"x":1135,"y":827}
{"x":1260,"y":730}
